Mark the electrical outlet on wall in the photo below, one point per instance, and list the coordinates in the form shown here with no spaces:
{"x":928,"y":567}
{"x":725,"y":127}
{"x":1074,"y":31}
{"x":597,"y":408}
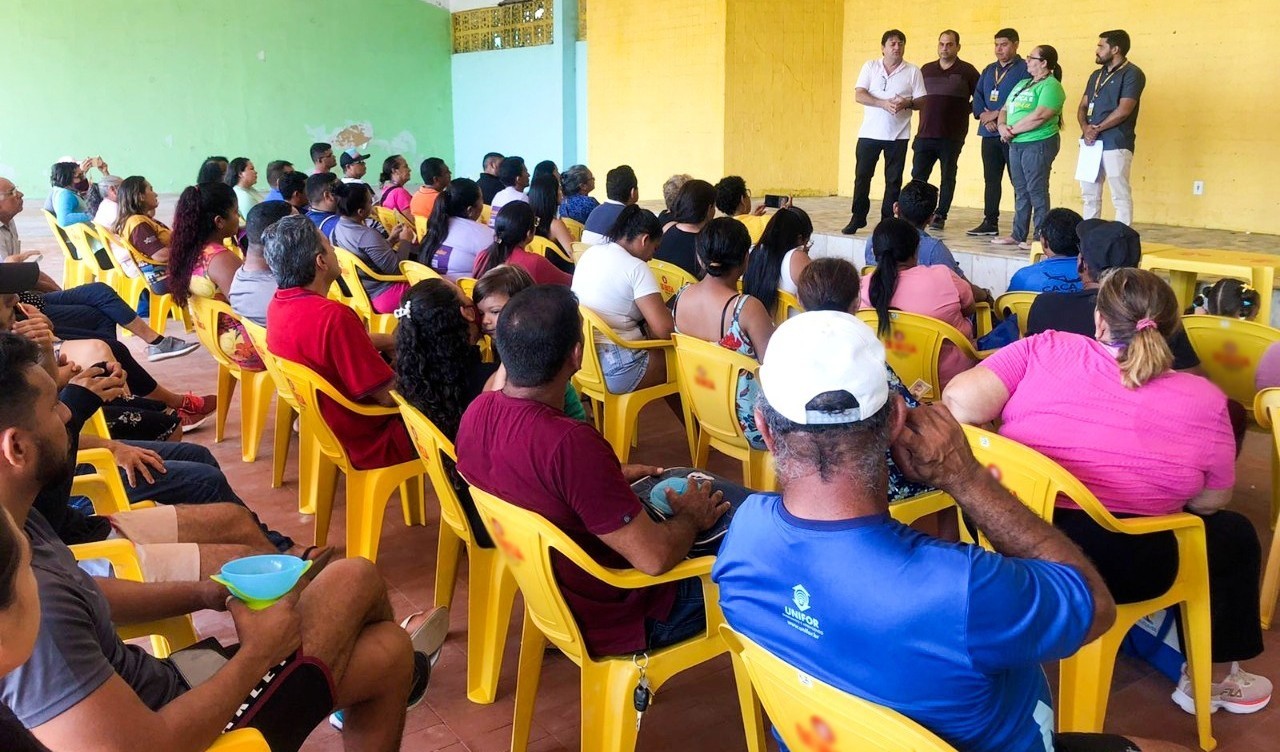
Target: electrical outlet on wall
{"x":1197,"y":188}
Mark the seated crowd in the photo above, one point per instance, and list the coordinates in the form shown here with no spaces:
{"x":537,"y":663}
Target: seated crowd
{"x":492,"y":368}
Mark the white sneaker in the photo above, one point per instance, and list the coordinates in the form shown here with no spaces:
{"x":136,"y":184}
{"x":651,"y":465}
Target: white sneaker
{"x":1241,"y":692}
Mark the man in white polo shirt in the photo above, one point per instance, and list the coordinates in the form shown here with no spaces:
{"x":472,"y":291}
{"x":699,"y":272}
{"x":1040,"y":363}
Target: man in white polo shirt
{"x":887,"y":88}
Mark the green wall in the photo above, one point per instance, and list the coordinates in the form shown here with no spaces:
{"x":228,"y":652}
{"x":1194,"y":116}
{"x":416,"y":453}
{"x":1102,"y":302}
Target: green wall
{"x":155,"y":87}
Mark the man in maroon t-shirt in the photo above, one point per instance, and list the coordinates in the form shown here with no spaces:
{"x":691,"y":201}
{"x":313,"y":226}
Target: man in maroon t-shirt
{"x":945,"y":110}
{"x":306,"y":327}
{"x":519,"y":445}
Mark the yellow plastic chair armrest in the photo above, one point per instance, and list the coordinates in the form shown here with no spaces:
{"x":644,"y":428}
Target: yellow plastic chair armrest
{"x":242,"y":740}
{"x":361,"y":409}
{"x":118,"y":551}
{"x":105,"y":477}
{"x":633,"y":579}
{"x":1146,"y":525}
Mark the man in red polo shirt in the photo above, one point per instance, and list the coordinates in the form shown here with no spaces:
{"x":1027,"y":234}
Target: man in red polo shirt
{"x":519,"y":445}
{"x":306,"y":327}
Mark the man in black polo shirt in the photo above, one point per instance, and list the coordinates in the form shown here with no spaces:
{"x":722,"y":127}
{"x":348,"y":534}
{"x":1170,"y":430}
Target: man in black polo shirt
{"x":1108,"y":112}
{"x":488,"y":180}
{"x":949,"y":83}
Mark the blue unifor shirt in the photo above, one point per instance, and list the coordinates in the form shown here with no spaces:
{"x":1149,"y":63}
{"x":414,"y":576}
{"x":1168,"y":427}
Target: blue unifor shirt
{"x":947,"y":634}
{"x":1002,"y":79}
{"x":1057,"y":274}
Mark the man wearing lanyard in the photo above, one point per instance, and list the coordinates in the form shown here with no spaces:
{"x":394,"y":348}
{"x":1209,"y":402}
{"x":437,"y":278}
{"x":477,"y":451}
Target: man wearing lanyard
{"x":994,"y":85}
{"x":886,"y":88}
{"x":1108,"y":112}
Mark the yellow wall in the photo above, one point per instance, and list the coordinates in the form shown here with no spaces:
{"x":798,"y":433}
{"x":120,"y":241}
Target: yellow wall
{"x":783,"y":92}
{"x":1208,"y":113}
{"x":656,"y":89}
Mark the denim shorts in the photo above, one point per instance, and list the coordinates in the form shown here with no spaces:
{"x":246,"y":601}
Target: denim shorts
{"x":623,"y":367}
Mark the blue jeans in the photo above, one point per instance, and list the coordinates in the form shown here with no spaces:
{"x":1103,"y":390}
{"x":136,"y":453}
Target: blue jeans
{"x":94,"y":307}
{"x":192,"y":476}
{"x":688,"y":617}
{"x":1029,"y":168}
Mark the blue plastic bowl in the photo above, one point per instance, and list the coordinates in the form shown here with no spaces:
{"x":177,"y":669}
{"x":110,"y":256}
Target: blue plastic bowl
{"x":265,"y":577}
{"x":658,"y":496}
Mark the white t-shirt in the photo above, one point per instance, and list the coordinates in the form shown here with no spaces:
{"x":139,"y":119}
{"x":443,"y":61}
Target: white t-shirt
{"x":609,"y":281}
{"x":504,"y":197}
{"x":785,"y":282}
{"x":108,"y":210}
{"x":905,"y":81}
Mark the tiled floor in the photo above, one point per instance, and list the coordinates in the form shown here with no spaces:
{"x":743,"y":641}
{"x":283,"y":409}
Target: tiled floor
{"x":696,"y":711}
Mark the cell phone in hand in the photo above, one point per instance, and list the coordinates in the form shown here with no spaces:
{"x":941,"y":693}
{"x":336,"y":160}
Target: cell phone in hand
{"x":772,"y":201}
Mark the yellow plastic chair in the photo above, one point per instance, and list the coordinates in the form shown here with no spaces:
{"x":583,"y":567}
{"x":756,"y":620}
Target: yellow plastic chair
{"x":312,"y":476}
{"x":868,"y":270}
{"x":708,"y":378}
{"x":525,"y":541}
{"x":420,"y":226}
{"x":578,"y":249}
{"x":1185,"y":265}
{"x":389,"y":218}
{"x":1230,"y":350}
{"x":255,"y":396}
{"x":167,"y":635}
{"x":671,"y":278}
{"x":415,"y":272}
{"x":1266,"y":410}
{"x":352,"y":269}
{"x":615,"y":414}
{"x":129,"y":288}
{"x":547,"y":248}
{"x":1084,"y":682}
{"x":491,"y":591}
{"x":367,"y":490}
{"x":574,"y":227}
{"x":787,"y":306}
{"x":811,"y":715}
{"x":485,"y":214}
{"x":1018,"y":303}
{"x":75,"y":270}
{"x":468,"y":285}
{"x":914,"y":346}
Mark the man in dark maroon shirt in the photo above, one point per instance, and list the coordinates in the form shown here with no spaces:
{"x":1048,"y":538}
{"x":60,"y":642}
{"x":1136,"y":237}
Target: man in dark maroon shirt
{"x":519,"y":445}
{"x":945,"y":110}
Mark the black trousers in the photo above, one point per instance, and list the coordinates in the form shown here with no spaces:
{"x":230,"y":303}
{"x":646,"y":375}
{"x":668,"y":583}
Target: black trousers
{"x":995,"y":166}
{"x":868,"y":154}
{"x":1139,"y":567}
{"x":947,"y":153}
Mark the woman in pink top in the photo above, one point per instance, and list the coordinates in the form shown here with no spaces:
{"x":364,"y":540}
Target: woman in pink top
{"x":934,"y":291}
{"x":1146,"y":440}
{"x":513,"y":230}
{"x":395,"y":173}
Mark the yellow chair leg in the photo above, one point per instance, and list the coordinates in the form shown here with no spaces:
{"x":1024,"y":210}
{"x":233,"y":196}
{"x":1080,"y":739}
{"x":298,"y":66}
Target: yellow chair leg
{"x":702,"y":453}
{"x":1275,"y":483}
{"x":491,"y":595}
{"x":226,"y":389}
{"x":1084,"y":684}
{"x":280,"y":441}
{"x":368,"y":492}
{"x":255,"y":401}
{"x":317,"y":486}
{"x":448,"y":554}
{"x":412,"y":502}
{"x":749,"y":704}
{"x":1271,"y":583}
{"x":528,"y":677}
{"x":1199,"y":646}
{"x":608,"y":715}
{"x":616,"y":430}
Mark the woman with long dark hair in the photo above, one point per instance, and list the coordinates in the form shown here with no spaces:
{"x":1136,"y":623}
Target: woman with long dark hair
{"x":544,"y":197}
{"x":513,"y":229}
{"x":201,"y":265}
{"x":782,"y":254}
{"x":212,"y":170}
{"x":1029,"y":123}
{"x":382,"y":255}
{"x":694,"y":207}
{"x":455,"y":237}
{"x":934,"y":291}
{"x":242,"y":176}
{"x":395,"y":174}
{"x":714,"y":310}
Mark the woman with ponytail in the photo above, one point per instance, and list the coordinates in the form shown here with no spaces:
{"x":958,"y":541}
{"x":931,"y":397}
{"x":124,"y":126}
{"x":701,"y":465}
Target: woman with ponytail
{"x":544,"y":198}
{"x":393,"y":195}
{"x":934,"y":291}
{"x":454,"y":236}
{"x":201,"y":265}
{"x":782,"y":254}
{"x":1147,"y":441}
{"x":513,"y":229}
{"x":1029,"y":123}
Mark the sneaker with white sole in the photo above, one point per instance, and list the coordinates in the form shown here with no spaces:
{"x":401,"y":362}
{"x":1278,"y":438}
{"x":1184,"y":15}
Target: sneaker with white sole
{"x":1240,"y":692}
{"x":170,"y":347}
{"x":428,"y":638}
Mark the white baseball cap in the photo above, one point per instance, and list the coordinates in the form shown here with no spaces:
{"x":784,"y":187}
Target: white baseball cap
{"x":819,"y":352}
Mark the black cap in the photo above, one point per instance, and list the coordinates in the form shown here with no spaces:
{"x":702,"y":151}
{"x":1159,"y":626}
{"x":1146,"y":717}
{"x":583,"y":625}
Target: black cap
{"x":1108,"y":245}
{"x":20,"y":277}
{"x":351,"y":156}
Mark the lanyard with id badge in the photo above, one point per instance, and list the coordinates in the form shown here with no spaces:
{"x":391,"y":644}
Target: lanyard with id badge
{"x":999,"y":76}
{"x":1100,"y":82}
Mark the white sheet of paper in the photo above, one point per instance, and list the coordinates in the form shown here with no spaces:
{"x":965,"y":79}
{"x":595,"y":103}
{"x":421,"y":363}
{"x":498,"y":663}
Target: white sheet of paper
{"x":1089,"y":165}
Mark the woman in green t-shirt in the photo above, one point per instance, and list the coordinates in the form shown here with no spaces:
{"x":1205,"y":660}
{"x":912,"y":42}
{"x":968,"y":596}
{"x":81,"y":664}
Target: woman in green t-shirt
{"x":1029,"y":123}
